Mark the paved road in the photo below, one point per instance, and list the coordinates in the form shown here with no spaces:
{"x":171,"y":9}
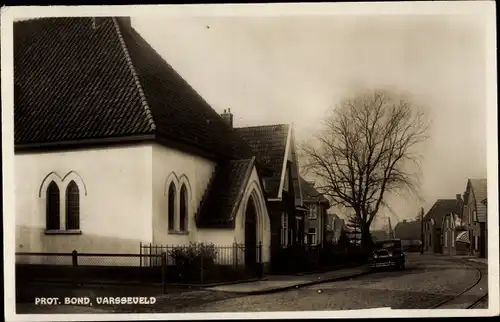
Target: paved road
{"x":426,"y":281}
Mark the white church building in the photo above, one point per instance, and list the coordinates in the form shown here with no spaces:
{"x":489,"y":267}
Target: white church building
{"x":113,"y":148}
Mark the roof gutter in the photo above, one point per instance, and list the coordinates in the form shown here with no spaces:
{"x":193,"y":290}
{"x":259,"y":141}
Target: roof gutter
{"x":83,"y":143}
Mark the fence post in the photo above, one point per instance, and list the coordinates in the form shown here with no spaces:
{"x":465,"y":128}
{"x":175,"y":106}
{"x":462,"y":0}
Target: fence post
{"x":201,"y":268}
{"x":235,"y":254}
{"x":74,"y":258}
{"x":149,"y":253}
{"x":140,"y":253}
{"x":164,"y":272}
{"x":260,"y":263}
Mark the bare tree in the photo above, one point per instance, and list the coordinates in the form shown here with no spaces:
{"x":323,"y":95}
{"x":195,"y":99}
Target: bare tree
{"x":366,"y":149}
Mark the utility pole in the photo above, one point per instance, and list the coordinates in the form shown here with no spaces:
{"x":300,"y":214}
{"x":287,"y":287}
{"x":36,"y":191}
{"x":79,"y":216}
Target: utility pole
{"x":422,"y":230}
{"x":391,"y":233}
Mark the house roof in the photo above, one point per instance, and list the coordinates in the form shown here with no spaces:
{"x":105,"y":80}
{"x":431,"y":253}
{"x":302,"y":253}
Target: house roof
{"x":408,"y":230}
{"x":379,"y":235}
{"x":224,"y":194}
{"x":86,"y":78}
{"x":268,"y":142}
{"x":480,"y":191}
{"x":310,"y":194}
{"x":440,"y":208}
{"x":80,"y":78}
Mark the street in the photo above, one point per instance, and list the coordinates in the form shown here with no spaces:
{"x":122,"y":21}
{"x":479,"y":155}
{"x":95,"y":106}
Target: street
{"x":426,"y":281}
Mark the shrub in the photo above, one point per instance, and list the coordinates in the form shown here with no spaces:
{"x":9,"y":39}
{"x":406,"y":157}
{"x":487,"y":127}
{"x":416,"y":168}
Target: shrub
{"x":190,"y":260}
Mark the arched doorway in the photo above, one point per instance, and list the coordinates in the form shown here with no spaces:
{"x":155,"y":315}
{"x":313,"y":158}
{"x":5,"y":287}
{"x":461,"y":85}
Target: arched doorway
{"x":251,"y":240}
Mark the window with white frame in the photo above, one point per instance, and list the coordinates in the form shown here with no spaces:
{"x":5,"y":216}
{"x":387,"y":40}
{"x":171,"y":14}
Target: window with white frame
{"x":171,"y":206}
{"x":284,"y":228}
{"x":313,"y":212}
{"x":70,"y":219}
{"x":53,"y":207}
{"x":311,"y":236}
{"x":184,"y":206}
{"x":72,"y":206}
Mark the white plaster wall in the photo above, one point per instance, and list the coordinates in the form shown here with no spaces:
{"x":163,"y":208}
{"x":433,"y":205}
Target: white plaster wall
{"x":115,"y":213}
{"x":175,"y":165}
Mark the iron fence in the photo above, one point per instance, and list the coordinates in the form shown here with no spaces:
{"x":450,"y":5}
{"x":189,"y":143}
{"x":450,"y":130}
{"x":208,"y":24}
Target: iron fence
{"x":205,"y":263}
{"x":163,"y":264}
{"x":82,"y":268}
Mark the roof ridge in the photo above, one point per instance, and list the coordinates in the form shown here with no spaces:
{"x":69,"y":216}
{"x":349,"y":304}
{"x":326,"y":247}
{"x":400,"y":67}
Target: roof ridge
{"x":266,"y":125}
{"x":145,"y":105}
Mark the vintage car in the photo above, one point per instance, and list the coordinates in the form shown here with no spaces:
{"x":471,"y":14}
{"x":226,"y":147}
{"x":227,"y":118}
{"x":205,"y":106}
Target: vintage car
{"x":388,"y":254}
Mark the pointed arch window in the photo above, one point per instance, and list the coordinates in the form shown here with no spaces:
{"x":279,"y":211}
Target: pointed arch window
{"x":53,"y":207}
{"x":183,"y":215}
{"x":171,"y":206}
{"x":72,"y":206}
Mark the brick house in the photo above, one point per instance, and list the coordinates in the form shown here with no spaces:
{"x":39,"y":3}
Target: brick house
{"x":433,"y":223}
{"x":315,"y":221}
{"x":455,"y":238}
{"x":274,"y":146}
{"x":475,"y":214}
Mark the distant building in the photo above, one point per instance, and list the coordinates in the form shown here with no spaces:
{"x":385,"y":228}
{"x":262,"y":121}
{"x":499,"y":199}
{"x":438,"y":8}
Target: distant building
{"x":475,"y":215}
{"x":380,"y":235}
{"x":315,"y":222}
{"x":334,"y":227}
{"x":408,"y":230}
{"x":433,"y":222}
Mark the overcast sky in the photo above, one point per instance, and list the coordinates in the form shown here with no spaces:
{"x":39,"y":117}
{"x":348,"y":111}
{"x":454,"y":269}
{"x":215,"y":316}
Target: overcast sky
{"x":292,"y":69}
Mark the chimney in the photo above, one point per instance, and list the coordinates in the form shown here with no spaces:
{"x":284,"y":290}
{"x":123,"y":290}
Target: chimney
{"x":227,"y":117}
{"x":459,"y":197}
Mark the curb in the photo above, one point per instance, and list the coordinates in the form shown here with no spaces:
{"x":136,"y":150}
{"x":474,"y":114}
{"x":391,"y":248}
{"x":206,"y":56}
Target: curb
{"x":296,"y":286}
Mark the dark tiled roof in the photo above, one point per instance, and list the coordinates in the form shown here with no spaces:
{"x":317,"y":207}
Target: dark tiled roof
{"x":408,"y":230}
{"x":379,"y":235}
{"x":75,"y":81}
{"x":309,"y":193}
{"x":224,"y":193}
{"x":440,"y":208}
{"x":480,"y":190}
{"x":269,"y":144}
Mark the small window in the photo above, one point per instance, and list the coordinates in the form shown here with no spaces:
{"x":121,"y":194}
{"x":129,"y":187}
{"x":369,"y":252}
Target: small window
{"x":452,"y":239}
{"x":474,"y":215}
{"x":184,"y":209}
{"x":171,"y":207}
{"x":446,"y":239}
{"x":53,"y":207}
{"x":476,"y":242}
{"x":72,"y":206}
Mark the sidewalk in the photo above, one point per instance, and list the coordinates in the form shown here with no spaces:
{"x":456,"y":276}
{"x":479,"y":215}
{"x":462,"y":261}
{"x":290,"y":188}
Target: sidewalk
{"x":278,"y":283}
{"x":483,"y":261}
{"x":469,"y":258}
